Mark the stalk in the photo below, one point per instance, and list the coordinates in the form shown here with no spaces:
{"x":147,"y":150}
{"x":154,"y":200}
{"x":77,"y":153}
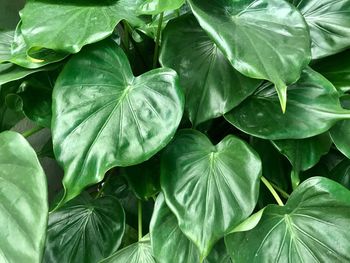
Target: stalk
{"x":156,"y":48}
{"x":272,"y":190}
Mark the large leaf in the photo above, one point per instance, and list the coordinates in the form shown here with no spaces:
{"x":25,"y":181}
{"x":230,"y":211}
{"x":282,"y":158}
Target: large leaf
{"x":154,"y":7}
{"x":170,"y":245}
{"x":73,"y":23}
{"x":212,"y":86}
{"x":23,"y":201}
{"x":104,"y":117}
{"x":340,"y":133}
{"x":336,"y":69}
{"x":311,"y":227}
{"x":329,"y":24}
{"x":313,"y":108}
{"x":209,"y":188}
{"x":140,"y":252}
{"x":264,"y":39}
{"x":85,"y":230}
{"x":14,"y":49}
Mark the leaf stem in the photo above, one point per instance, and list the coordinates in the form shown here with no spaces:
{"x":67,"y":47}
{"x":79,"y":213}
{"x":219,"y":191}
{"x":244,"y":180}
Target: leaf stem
{"x":30,"y":132}
{"x":156,"y":48}
{"x":280,"y":190}
{"x":139,"y":205}
{"x":126,"y":35}
{"x":295,"y":178}
{"x":272,"y":190}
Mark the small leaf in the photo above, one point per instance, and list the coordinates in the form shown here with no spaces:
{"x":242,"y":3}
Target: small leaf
{"x":313,"y":108}
{"x":104,"y":117}
{"x":210,"y":189}
{"x":264,"y":39}
{"x":140,"y":252}
{"x":329,"y":25}
{"x":311,"y":227}
{"x":75,"y":23}
{"x":212,"y":86}
{"x":23,"y":201}
{"x":85,"y":230}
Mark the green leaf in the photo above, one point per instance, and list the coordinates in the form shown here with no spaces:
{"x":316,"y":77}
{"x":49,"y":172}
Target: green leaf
{"x":153,"y":7}
{"x":340,"y":132}
{"x":23,"y":201}
{"x":73,"y":23}
{"x":210,"y":189}
{"x":304,"y":154}
{"x":104,"y":117}
{"x":10,"y":72}
{"x":212,"y":86}
{"x":143,"y":179}
{"x":140,"y":252}
{"x":264,"y":39}
{"x":341,"y":173}
{"x":85,"y":230}
{"x":313,"y":108}
{"x":311,"y":227}
{"x":336,"y":69}
{"x":170,"y":245}
{"x":329,"y":25}
{"x":14,"y":49}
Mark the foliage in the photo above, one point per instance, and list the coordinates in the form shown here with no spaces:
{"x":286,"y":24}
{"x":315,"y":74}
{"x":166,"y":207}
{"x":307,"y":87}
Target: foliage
{"x":179,"y":125}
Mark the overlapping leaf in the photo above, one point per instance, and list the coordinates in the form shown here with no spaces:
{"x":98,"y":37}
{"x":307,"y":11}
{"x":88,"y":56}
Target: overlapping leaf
{"x":104,"y":117}
{"x":154,"y":7}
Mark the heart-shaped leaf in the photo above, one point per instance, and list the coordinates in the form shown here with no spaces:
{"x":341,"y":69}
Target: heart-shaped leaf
{"x":23,"y":201}
{"x":210,"y":189}
{"x":170,"y":245}
{"x":336,"y":69}
{"x":104,"y":117}
{"x":85,"y":230}
{"x":212,"y":86}
{"x":329,"y":24}
{"x":264,"y":39}
{"x":311,"y":227}
{"x":99,"y":19}
{"x":313,"y":108}
{"x":153,"y":7}
{"x":340,"y":133}
{"x":140,"y":252}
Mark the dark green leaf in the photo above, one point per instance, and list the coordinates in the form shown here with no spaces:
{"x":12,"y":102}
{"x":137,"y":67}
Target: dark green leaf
{"x":212,"y":86}
{"x":329,"y":24}
{"x":341,"y":173}
{"x":104,"y":117}
{"x":210,"y":189}
{"x":313,"y":107}
{"x":85,"y":230}
{"x":336,"y":69}
{"x":311,"y":227}
{"x":264,"y":39}
{"x":23,"y":201}
{"x":140,"y":252}
{"x":153,"y":7}
{"x":73,"y":23}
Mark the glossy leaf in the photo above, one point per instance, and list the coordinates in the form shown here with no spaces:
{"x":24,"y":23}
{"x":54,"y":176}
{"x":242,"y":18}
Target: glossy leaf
{"x":329,"y":24}
{"x":14,"y":49}
{"x":264,"y":39}
{"x":313,"y":108}
{"x":140,"y":252}
{"x":304,"y":154}
{"x":170,"y":245}
{"x":341,"y":173}
{"x":210,"y":189}
{"x":99,"y":19}
{"x":143,"y":179}
{"x":104,"y":117}
{"x":311,"y":227}
{"x":153,"y":7}
{"x":212,"y":86}
{"x":23,"y":201}
{"x":336,"y":69}
{"x":85,"y":230}
{"x":340,"y":133}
